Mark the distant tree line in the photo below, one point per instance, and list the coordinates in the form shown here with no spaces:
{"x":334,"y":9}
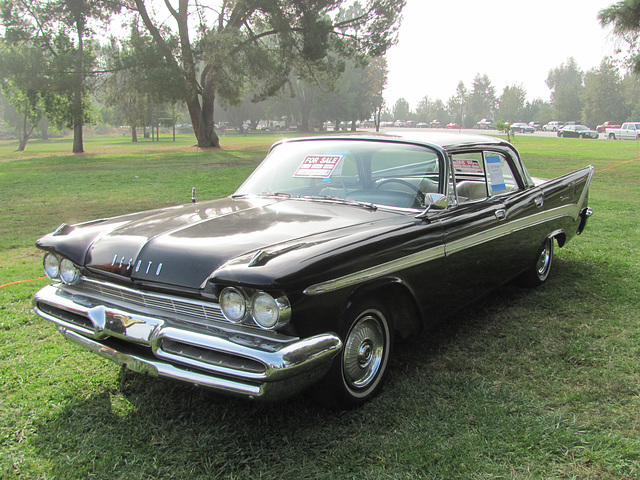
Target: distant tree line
{"x":294,"y":62}
{"x":194,"y":55}
{"x":601,"y":94}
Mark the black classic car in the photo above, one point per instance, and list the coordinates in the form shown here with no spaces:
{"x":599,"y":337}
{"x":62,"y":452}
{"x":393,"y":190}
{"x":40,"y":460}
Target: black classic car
{"x":330,"y":251}
{"x":577,"y":131}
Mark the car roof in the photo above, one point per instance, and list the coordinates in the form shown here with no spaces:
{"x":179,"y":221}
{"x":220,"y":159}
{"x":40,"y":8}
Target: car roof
{"x":443,"y":140}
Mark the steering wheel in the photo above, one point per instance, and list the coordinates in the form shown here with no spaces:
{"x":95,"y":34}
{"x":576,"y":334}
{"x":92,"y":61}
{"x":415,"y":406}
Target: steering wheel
{"x":419,"y":193}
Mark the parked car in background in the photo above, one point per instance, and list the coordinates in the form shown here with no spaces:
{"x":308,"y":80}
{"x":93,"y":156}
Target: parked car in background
{"x":521,"y":127}
{"x":453,"y":125}
{"x":577,"y":131}
{"x":422,"y":125}
{"x":603,"y":128}
{"x":435,"y":123}
{"x":484,"y":124}
{"x":536,"y":126}
{"x":628,"y":131}
{"x":552,"y":126}
{"x":334,"y":247}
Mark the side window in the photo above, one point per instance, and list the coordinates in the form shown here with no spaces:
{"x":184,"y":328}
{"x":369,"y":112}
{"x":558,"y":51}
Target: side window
{"x":480,"y":175}
{"x":470,"y":178}
{"x":500,"y":178}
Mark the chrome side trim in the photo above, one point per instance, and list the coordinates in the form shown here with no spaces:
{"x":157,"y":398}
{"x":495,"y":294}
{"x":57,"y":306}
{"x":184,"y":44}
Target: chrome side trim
{"x":512,"y":226}
{"x":450,"y":248}
{"x":376,"y":271}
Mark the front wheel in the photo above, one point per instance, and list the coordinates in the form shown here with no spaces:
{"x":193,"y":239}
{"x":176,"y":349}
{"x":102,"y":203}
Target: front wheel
{"x":539,"y":272}
{"x":357,"y":374}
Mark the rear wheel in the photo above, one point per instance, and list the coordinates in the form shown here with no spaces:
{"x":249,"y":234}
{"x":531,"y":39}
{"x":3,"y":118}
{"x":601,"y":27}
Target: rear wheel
{"x":357,"y":374}
{"x":612,"y":136}
{"x":539,"y":272}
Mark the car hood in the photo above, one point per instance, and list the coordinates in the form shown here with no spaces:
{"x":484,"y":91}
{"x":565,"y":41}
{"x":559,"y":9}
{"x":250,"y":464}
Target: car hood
{"x":185,"y":245}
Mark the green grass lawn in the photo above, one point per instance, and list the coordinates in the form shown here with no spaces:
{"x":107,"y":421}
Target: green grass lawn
{"x":524,"y":385}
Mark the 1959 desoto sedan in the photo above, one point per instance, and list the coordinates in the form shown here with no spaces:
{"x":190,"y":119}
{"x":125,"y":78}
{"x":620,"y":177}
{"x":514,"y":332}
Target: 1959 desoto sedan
{"x":330,"y":251}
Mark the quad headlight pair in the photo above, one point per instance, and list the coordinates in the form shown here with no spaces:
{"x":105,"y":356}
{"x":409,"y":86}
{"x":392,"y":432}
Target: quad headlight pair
{"x":267,"y":312}
{"x":60,"y":268}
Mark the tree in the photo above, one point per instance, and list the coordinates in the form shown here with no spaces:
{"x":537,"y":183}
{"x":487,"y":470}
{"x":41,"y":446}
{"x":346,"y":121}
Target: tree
{"x":423,"y":110}
{"x":566,"y":85}
{"x":401,"y":109}
{"x":23,"y":84}
{"x":537,"y":110}
{"x":482,"y":99}
{"x":355,"y":95}
{"x":260,"y":43}
{"x":377,"y":74}
{"x":440,"y":111}
{"x":137,"y":79}
{"x":511,"y":103}
{"x":61,"y":28}
{"x":624,"y":16}
{"x":602,"y":95}
{"x":457,"y":103}
{"x":630,"y":87}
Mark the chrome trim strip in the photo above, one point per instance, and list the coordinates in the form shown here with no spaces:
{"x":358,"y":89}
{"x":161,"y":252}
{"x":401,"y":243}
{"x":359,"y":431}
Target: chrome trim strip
{"x":510,"y":227}
{"x":376,"y":271}
{"x":504,"y":227}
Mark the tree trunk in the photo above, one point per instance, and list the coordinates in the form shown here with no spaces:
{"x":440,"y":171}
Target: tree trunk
{"x":134,"y":134}
{"x":202,"y":115}
{"x":25,"y":139}
{"x":24,"y":136}
{"x":44,"y":128}
{"x":78,"y":146}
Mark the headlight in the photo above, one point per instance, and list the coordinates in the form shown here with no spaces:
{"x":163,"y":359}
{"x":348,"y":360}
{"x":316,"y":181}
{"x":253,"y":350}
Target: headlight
{"x":233,"y":304}
{"x":51,"y":266}
{"x":69,"y":273}
{"x":269,"y":312}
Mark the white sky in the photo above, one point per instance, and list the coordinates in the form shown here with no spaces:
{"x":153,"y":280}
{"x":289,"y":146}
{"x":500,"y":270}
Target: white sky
{"x":514,"y":42}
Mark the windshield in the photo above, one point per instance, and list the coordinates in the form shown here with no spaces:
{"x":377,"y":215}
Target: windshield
{"x":377,"y":172}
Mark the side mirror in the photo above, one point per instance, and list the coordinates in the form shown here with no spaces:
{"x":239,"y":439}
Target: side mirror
{"x":433,"y":201}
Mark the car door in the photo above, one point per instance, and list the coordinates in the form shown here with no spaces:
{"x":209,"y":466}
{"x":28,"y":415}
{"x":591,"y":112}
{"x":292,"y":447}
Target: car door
{"x":630,"y":132}
{"x":482,"y":247}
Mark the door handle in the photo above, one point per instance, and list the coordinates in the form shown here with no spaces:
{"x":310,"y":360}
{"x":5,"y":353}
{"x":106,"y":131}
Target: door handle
{"x":539,"y":201}
{"x":501,"y":214}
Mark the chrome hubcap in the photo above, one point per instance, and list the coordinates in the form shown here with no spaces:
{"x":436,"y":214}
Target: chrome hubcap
{"x":544,"y":260}
{"x":364,"y":351}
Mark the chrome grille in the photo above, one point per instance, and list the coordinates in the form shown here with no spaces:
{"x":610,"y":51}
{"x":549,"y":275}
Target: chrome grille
{"x":177,"y":307}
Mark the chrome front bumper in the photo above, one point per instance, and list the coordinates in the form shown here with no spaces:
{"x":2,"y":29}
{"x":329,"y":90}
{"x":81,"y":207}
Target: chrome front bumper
{"x":231,"y":359}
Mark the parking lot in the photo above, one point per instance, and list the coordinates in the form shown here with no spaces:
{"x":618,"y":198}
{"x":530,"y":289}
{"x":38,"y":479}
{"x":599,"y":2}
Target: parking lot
{"x":538,"y":133}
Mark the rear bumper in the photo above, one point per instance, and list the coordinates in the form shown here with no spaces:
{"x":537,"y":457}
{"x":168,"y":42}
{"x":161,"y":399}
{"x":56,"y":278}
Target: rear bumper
{"x":230,"y":359}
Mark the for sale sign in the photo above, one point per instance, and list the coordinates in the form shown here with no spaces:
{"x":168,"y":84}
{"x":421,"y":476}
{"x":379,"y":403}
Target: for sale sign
{"x":318,"y":166}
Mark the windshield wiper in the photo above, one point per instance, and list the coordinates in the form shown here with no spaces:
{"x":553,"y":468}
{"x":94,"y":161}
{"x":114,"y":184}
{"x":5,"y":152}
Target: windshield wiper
{"x":265,"y":194}
{"x":345,"y":201}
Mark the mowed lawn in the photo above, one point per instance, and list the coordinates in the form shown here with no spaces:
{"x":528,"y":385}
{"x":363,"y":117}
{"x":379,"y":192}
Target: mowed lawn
{"x":527,"y":384}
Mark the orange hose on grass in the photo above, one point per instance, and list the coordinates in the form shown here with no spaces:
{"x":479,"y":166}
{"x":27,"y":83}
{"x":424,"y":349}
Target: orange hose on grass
{"x":617,"y":165}
{"x":22,"y":281}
